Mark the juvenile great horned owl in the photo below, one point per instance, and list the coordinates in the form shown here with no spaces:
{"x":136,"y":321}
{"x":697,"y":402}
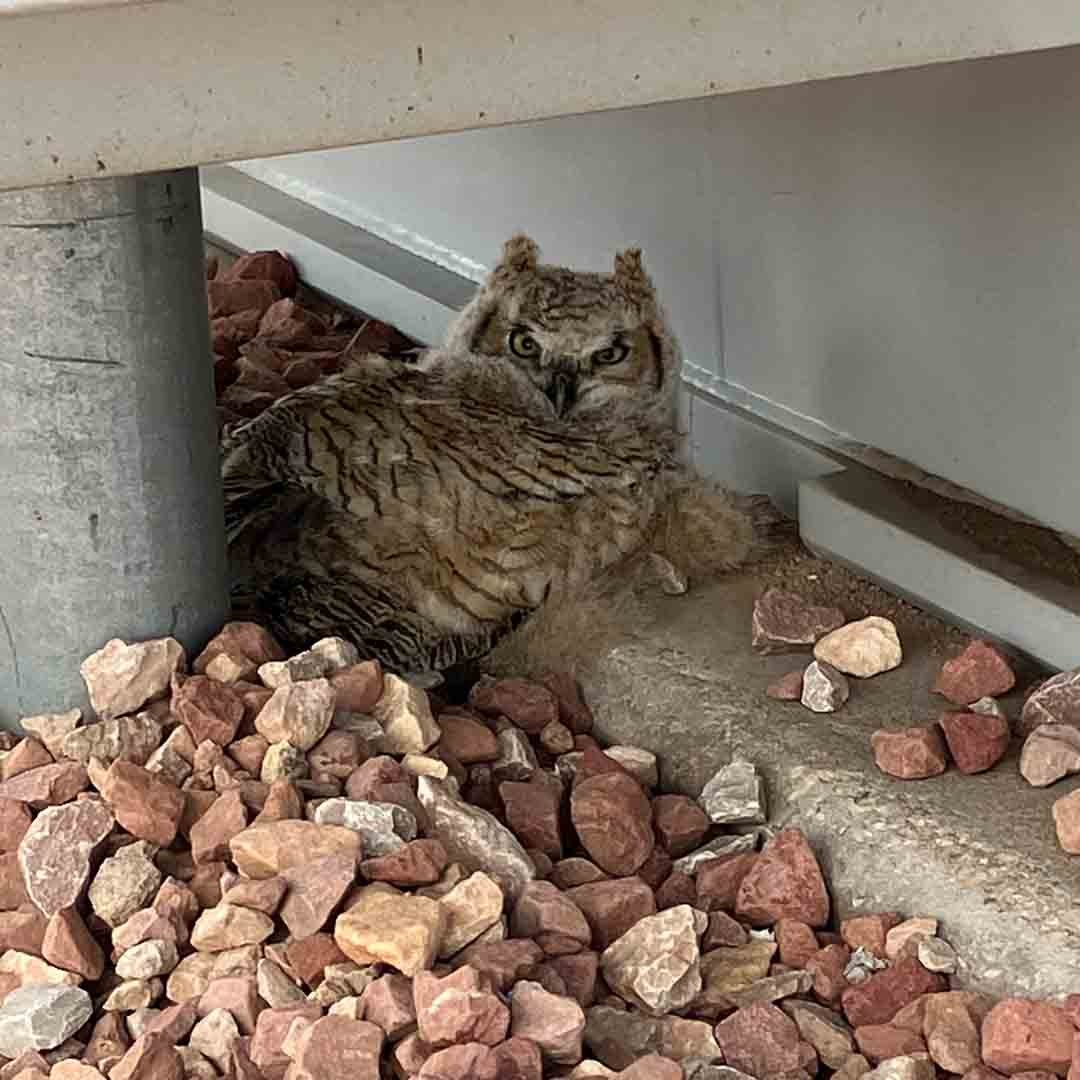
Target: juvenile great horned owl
{"x":517,"y":474}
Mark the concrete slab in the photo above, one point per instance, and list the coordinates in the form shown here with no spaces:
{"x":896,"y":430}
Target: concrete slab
{"x":977,"y":852}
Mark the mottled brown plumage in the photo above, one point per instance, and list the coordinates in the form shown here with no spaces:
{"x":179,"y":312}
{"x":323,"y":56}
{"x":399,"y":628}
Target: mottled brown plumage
{"x":426,"y":512}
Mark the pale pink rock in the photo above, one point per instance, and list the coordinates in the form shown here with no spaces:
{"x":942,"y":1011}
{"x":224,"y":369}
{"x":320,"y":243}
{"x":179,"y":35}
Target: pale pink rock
{"x":56,"y":852}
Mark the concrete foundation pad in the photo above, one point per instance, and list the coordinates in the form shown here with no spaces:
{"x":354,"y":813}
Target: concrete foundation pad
{"x":977,"y":852}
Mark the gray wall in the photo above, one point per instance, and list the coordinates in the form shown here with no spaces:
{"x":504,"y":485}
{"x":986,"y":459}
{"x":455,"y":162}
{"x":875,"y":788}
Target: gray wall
{"x":890,"y":258}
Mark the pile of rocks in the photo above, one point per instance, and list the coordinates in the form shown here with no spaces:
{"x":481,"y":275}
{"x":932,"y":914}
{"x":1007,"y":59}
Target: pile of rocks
{"x":266,"y":342}
{"x":976,"y":736}
{"x":305,"y":868}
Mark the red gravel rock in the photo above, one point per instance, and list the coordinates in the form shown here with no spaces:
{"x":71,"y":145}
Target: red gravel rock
{"x":1019,"y":1035}
{"x":504,"y":962}
{"x":783,"y":621}
{"x":315,"y":889}
{"x":1055,"y":701}
{"x":526,"y":704}
{"x":723,"y":930}
{"x":880,"y":998}
{"x":913,"y":753}
{"x":208,"y":709}
{"x":532,"y":813}
{"x":979,"y":671}
{"x":148,"y":807}
{"x":388,"y":1002}
{"x":677,"y":889}
{"x":469,"y":740}
{"x":310,"y":957}
{"x":1066,"y":811}
{"x":785,"y":882}
{"x":264,"y":266}
{"x":337,"y":1048}
{"x":15,"y":818}
{"x":69,"y":945}
{"x":22,"y":931}
{"x":55,"y":854}
{"x":26,"y":755}
{"x":869,"y":931}
{"x":719,"y":880}
{"x":613,"y":797}
{"x":232,"y":297}
{"x":788,"y":687}
{"x":420,"y":862}
{"x":569,"y":873}
{"x":579,"y":974}
{"x":796,"y":942}
{"x":826,"y":967}
{"x":238,"y":995}
{"x":654,"y":871}
{"x":759,"y":1040}
{"x":358,"y":687}
{"x":47,"y":785}
{"x":458,"y":1009}
{"x":878,"y":1042}
{"x":518,"y":1059}
{"x":270,"y":1031}
{"x":151,"y":1057}
{"x":680,"y":823}
{"x":977,"y":741}
{"x":472,"y":1061}
{"x":550,"y":918}
{"x":612,"y":907}
{"x":573,"y":710}
{"x":210,"y":835}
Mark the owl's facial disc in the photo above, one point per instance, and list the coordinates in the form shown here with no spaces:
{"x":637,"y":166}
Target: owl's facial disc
{"x":568,"y":372}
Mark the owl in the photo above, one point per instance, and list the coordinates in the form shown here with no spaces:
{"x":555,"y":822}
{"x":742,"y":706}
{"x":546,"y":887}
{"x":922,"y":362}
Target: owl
{"x":514,"y":485}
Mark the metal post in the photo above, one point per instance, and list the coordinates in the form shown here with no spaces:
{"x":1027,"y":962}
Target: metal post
{"x":111,"y":519}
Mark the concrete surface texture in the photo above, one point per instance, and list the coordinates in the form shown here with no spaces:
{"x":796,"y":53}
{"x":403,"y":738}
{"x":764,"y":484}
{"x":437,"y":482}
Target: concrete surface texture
{"x":977,"y":852}
{"x":111,"y":519}
{"x":109,"y":92}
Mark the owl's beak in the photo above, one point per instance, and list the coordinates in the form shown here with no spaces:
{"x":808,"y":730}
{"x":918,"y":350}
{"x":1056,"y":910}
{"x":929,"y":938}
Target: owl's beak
{"x":562,"y":392}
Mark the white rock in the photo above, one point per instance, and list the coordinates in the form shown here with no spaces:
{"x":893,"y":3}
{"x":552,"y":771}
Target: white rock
{"x":824,"y":688}
{"x":735,"y":795}
{"x":716,"y":848}
{"x":385,"y":827}
{"x":641,"y":764}
{"x":337,"y":653}
{"x":863,"y":649}
{"x":404,"y":713}
{"x":41,"y":1017}
{"x":656,"y":965}
{"x":147,"y":959}
{"x":475,"y":838}
{"x":122,"y":678}
{"x":306,"y":665}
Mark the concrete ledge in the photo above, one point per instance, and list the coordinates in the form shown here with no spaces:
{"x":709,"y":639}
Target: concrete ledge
{"x":978,"y":852}
{"x":855,"y":518}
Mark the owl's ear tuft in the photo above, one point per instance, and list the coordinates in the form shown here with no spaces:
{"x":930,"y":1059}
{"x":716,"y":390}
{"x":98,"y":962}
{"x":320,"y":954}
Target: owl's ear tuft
{"x":520,"y":255}
{"x":631,"y":278}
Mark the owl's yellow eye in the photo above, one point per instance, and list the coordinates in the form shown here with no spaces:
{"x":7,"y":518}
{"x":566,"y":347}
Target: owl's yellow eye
{"x":613,"y":354}
{"x":523,"y":344}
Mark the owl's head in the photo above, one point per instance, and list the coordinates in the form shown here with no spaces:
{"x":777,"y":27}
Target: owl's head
{"x":595,"y":345}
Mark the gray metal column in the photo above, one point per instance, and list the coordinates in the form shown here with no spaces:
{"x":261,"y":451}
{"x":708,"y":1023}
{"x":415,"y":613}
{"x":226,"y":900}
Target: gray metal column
{"x":111,"y":520}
